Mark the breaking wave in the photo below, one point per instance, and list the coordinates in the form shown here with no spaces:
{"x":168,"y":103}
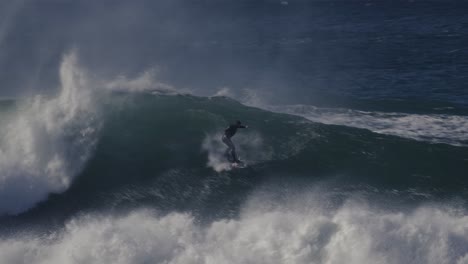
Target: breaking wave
{"x":47,"y":141}
{"x":292,"y":232}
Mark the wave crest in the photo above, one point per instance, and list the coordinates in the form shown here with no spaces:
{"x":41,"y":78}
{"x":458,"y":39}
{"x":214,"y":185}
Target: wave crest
{"x":48,"y":141}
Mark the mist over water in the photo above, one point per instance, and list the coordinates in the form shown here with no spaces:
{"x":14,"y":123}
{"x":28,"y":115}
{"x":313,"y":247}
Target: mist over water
{"x":306,"y":52}
{"x":110,"y":141}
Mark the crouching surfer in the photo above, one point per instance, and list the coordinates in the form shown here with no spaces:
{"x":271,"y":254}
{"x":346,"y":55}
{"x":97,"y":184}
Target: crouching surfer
{"x":228,"y":134}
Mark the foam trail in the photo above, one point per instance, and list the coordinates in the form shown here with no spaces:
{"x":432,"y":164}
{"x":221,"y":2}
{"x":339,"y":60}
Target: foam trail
{"x":47,"y":142}
{"x":290,"y":233}
{"x":441,"y":128}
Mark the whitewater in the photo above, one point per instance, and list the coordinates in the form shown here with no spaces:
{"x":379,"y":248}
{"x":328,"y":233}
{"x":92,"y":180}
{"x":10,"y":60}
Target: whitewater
{"x":122,"y":182}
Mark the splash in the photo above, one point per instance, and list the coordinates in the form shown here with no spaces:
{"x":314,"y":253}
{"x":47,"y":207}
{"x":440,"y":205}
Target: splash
{"x":290,"y":233}
{"x":216,"y":150}
{"x":146,"y":82}
{"x":48,"y":141}
{"x":250,"y":148}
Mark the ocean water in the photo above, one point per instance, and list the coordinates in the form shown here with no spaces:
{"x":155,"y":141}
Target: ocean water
{"x":356,"y":151}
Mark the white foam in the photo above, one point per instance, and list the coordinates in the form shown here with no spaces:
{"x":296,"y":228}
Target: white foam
{"x":224,"y":91}
{"x":293,"y":232}
{"x":47,"y":142}
{"x":436,"y":128}
{"x":247,"y":96}
{"x":215,"y":148}
{"x":249,"y":146}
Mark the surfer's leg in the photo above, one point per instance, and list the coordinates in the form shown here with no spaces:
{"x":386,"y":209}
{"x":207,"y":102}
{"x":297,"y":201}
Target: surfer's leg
{"x":234,"y":155}
{"x":231,"y":150}
{"x":228,"y":154}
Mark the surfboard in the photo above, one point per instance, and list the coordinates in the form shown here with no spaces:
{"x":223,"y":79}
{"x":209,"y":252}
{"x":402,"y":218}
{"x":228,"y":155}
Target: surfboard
{"x":238,"y":165}
{"x":234,"y":164}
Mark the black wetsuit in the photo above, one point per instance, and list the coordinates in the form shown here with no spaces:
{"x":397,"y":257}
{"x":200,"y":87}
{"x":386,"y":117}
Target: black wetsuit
{"x":232,"y":129}
{"x":228,"y":134}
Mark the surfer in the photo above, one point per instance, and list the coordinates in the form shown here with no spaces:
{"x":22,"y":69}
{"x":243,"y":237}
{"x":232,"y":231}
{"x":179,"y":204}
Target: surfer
{"x":228,"y":134}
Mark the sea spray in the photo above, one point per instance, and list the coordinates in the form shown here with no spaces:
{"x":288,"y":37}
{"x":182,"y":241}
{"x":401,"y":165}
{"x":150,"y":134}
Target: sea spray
{"x":216,"y":151}
{"x":290,"y":232}
{"x":48,"y":141}
{"x":249,"y":146}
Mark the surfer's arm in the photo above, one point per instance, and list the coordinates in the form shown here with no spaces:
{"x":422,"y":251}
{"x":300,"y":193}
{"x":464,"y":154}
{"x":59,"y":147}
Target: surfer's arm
{"x":242,"y":126}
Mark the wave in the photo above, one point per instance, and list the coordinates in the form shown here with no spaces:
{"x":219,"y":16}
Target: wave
{"x":150,"y":162}
{"x":165,"y":151}
{"x":45,"y":142}
{"x":88,"y":143}
{"x":434,"y":128}
{"x":305,"y":230}
{"x":139,"y":138}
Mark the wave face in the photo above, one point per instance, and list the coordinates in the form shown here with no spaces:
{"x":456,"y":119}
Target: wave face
{"x":139,"y":176}
{"x":157,"y":147}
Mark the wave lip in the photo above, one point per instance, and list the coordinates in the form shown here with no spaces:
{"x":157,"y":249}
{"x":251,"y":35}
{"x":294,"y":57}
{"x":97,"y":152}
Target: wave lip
{"x":47,"y":142}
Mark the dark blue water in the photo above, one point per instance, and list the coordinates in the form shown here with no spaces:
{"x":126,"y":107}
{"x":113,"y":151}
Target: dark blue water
{"x":392,"y":50}
{"x":304,"y":51}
